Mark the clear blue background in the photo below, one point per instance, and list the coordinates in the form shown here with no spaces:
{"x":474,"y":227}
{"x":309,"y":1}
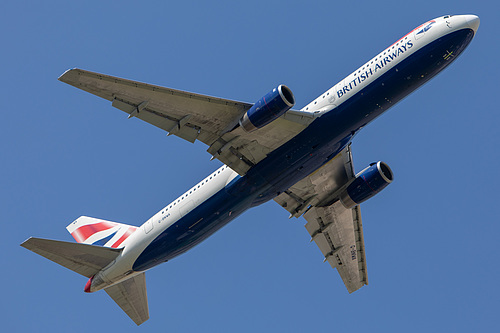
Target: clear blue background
{"x":431,"y":237}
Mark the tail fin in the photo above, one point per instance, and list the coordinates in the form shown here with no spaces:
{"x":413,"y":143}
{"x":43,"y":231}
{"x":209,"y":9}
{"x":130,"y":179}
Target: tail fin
{"x":84,"y":259}
{"x":89,"y":230}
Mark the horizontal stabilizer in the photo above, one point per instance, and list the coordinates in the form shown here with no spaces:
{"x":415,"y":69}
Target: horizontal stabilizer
{"x":84,"y":259}
{"x":132,"y":297}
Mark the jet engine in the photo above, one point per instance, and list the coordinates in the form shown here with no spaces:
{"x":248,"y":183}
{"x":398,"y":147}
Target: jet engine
{"x":367,"y":183}
{"x":268,"y":108}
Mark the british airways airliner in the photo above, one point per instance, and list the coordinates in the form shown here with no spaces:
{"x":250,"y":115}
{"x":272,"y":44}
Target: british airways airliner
{"x":300,"y":159}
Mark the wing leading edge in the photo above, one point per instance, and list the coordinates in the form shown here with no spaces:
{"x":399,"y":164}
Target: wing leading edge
{"x":336,"y":230}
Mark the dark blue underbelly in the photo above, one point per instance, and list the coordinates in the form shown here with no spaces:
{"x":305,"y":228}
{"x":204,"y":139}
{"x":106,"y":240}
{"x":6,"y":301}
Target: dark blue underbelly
{"x":306,"y":152}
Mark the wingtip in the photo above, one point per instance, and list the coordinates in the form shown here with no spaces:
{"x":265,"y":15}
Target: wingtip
{"x":141,"y":321}
{"x":23,"y":244}
{"x":64,"y":76}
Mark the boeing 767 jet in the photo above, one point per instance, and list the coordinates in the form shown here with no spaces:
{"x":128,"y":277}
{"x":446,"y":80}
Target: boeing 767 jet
{"x":299,"y":158}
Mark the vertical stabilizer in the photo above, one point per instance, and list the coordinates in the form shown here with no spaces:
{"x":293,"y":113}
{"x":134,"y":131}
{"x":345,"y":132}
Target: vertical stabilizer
{"x":89,"y":230}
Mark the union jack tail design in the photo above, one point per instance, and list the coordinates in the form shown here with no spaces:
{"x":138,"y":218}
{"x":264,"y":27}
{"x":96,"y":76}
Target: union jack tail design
{"x":89,"y":230}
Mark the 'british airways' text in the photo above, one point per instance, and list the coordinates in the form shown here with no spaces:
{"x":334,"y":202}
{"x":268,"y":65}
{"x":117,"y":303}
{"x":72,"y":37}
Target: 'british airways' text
{"x":373,"y":69}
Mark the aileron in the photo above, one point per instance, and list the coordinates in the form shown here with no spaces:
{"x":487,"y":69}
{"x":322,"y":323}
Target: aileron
{"x":338,"y":233}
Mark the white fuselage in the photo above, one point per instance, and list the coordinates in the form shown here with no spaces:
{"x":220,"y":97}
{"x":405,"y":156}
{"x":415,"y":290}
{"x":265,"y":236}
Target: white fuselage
{"x":353,"y":85}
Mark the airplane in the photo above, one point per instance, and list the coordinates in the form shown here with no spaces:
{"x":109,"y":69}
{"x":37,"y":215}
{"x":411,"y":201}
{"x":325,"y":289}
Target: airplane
{"x":299,"y":158}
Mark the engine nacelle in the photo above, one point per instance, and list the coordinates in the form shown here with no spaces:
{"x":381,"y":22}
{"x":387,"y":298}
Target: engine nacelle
{"x":368,"y":182}
{"x":268,"y":108}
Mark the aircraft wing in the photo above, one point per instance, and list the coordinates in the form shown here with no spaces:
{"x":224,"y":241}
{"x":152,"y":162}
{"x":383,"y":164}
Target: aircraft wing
{"x":336,"y":230}
{"x":194,"y":117}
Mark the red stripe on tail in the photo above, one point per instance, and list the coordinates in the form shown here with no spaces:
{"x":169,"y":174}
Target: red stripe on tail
{"x":81,"y":234}
{"x":124,"y":236}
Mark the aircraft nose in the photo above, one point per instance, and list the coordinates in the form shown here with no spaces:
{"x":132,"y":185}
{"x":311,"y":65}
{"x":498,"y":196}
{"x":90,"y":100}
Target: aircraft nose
{"x":472,"y":21}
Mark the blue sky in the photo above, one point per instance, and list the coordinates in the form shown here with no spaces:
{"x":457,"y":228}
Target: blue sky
{"x":431,"y":237}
